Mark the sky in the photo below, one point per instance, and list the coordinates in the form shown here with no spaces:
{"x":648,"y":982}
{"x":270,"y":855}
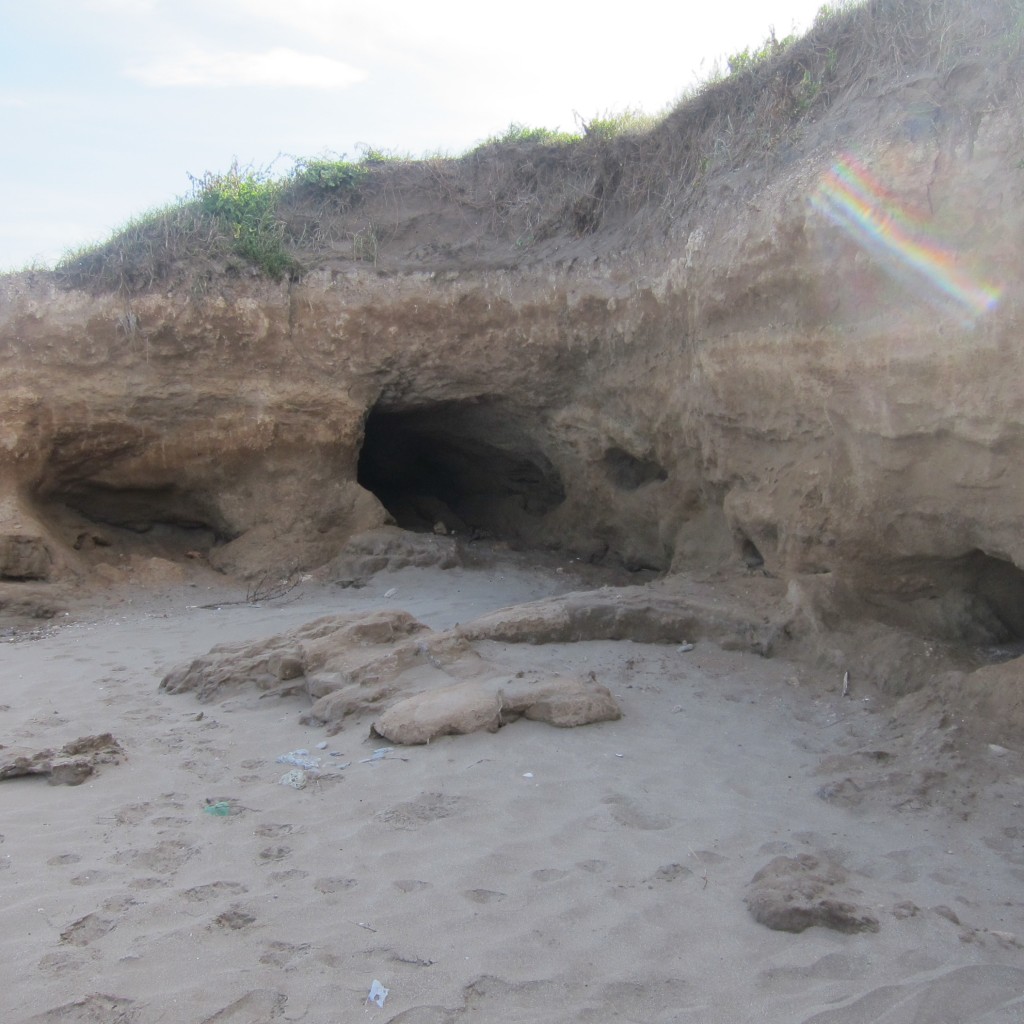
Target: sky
{"x":107,"y":106}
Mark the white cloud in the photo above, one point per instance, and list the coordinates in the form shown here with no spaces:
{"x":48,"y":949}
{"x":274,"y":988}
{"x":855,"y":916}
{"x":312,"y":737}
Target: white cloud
{"x":276,"y":67}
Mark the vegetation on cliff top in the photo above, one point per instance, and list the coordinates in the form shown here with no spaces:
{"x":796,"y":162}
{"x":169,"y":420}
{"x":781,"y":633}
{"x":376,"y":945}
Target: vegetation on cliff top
{"x":527,"y":185}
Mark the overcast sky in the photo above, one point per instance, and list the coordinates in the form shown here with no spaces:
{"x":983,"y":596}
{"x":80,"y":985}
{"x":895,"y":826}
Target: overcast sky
{"x":106,"y":106}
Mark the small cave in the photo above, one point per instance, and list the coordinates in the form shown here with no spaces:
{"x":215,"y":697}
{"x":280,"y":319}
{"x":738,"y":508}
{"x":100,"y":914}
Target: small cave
{"x":975,"y":601}
{"x":628,"y":472}
{"x":469,"y":468}
{"x":997,"y":588}
{"x":749,"y":552}
{"x":163,"y":520}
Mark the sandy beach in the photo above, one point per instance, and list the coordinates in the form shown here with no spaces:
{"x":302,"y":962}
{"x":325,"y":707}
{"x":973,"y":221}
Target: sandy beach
{"x":593,"y":874}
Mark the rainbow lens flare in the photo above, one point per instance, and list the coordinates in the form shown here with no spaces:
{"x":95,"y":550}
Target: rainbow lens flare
{"x":853,"y":199}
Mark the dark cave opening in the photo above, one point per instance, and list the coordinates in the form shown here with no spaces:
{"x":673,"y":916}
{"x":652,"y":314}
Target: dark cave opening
{"x":165,"y":520}
{"x":629,"y":472}
{"x":471,"y":467}
{"x":975,"y":601}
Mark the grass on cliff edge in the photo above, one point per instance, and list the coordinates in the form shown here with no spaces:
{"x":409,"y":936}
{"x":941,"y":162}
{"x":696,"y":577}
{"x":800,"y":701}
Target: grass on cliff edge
{"x":234,"y":218}
{"x":527,"y":183}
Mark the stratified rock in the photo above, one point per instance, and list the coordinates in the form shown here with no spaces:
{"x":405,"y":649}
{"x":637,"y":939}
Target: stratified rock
{"x":641,"y":614}
{"x":389,"y":548}
{"x":71,"y":765}
{"x":24,"y":558}
{"x":319,"y":657}
{"x":490,"y":703}
{"x":419,"y":684}
{"x":791,"y":894}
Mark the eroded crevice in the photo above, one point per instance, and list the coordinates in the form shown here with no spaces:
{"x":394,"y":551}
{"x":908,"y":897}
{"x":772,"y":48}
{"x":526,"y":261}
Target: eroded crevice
{"x":469,"y":467}
{"x":749,"y":553}
{"x":630,"y":472}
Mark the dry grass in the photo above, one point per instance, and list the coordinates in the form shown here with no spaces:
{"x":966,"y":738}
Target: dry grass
{"x":514,"y":195}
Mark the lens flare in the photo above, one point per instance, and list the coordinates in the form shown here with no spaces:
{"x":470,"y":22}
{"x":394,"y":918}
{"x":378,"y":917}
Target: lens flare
{"x":853,"y":199}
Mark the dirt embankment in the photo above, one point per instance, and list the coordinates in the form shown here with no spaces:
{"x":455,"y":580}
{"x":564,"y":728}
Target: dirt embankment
{"x":782,"y":329}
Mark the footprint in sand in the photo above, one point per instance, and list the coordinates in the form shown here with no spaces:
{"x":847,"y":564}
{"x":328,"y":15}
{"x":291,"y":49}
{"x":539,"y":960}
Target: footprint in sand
{"x":109,"y":1009}
{"x":64,"y":962}
{"x":119,"y":904}
{"x":670,"y":872}
{"x":292,"y":875}
{"x":275,"y":831}
{"x":484,"y":895}
{"x":707,"y":857}
{"x":427,"y":807}
{"x":132,"y":814}
{"x":166,"y":821}
{"x":235,"y":919}
{"x":627,"y":812}
{"x":281,"y":954}
{"x":411,"y":885}
{"x":258,"y":1005}
{"x":64,"y":858}
{"x":270,"y":854}
{"x":147,"y":883}
{"x":547,"y":874}
{"x":165,"y":857}
{"x":90,"y":877}
{"x":592,"y":867}
{"x":87,"y":929}
{"x":213,"y":891}
{"x":329,"y":885}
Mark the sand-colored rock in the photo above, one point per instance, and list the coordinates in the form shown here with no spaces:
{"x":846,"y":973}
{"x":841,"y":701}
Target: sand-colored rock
{"x":420,"y":684}
{"x":489,"y":703}
{"x":653,"y":614}
{"x":791,"y":894}
{"x":71,"y":765}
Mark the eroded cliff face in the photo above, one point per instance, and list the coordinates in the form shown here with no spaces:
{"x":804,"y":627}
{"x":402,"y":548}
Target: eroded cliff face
{"x":817,"y":371}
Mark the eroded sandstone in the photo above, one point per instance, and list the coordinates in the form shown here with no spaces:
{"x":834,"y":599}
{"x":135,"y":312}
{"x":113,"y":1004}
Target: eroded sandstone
{"x":418,"y":684}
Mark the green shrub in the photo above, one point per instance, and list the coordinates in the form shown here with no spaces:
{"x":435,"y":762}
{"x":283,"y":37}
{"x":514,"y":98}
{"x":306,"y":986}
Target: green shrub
{"x":329,"y":175}
{"x":610,"y":125}
{"x":244,"y":201}
{"x":516,"y":134}
{"x":747,"y":59}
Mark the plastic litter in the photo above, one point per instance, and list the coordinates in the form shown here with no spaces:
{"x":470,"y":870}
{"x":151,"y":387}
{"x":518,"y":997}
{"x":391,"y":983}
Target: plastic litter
{"x":301,"y":759}
{"x":683,"y":648}
{"x":296,"y":778}
{"x":322,"y":745}
{"x":527,"y":775}
{"x":378,"y":993}
{"x":378,"y":754}
{"x":391,"y":592}
{"x":220,"y":809}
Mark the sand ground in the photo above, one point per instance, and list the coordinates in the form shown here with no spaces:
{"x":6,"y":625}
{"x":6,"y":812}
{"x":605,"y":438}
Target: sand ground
{"x":535,"y":874}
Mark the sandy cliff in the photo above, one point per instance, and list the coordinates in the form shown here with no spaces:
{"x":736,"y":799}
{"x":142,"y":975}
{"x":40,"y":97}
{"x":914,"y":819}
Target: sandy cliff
{"x":785,"y":328}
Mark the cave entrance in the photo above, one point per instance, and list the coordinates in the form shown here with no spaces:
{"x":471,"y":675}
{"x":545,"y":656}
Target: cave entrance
{"x":472,"y":467}
{"x":975,"y":601}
